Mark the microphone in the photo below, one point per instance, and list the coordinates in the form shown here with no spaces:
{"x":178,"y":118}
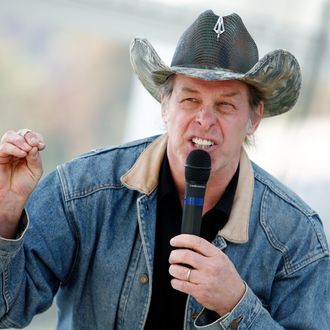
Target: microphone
{"x":197,"y":172}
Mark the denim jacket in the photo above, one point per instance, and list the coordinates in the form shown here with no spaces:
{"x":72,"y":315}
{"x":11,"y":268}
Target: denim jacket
{"x":88,"y":238}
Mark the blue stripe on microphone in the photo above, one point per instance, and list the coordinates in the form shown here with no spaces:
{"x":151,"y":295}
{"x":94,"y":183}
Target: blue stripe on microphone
{"x":197,"y":201}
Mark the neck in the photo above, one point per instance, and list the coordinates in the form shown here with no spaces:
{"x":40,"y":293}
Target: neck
{"x":216,"y":186}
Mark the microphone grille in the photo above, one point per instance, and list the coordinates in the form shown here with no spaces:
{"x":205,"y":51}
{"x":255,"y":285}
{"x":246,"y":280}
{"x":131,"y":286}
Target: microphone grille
{"x":198,"y":166}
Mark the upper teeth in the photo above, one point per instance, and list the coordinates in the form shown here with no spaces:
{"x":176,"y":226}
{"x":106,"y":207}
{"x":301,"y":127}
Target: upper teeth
{"x":202,"y":142}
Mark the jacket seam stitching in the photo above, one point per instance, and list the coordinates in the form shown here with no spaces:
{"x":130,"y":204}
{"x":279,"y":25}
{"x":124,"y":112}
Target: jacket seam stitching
{"x":289,"y":267}
{"x":7,"y":298}
{"x":299,"y":266}
{"x":86,"y":193}
{"x":129,"y":145}
{"x":75,"y":230}
{"x":254,"y":315}
{"x":285,"y":197}
{"x":270,"y":235}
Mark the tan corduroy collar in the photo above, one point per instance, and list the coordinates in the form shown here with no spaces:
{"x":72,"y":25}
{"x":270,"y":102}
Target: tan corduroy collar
{"x":143,"y":176}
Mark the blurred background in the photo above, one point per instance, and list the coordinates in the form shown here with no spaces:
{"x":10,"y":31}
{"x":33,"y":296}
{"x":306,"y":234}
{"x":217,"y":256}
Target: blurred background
{"x":65,"y":72}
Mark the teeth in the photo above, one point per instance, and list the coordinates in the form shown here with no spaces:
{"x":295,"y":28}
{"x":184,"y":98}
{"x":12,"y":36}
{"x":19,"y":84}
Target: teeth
{"x":202,"y":143}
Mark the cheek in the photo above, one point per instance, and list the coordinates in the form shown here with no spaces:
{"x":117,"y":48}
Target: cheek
{"x":235,"y":130}
{"x":177,"y":123}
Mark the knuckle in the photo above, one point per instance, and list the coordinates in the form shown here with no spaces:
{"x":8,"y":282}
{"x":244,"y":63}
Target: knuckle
{"x":4,"y":147}
{"x":6,"y":135}
{"x":200,"y":242}
{"x":39,"y":136}
{"x":184,"y":286}
{"x":185,"y":254}
{"x":171,"y":258}
{"x":183,"y":272}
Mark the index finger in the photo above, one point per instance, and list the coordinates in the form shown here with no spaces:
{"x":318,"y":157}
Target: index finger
{"x":195,"y":243}
{"x":34,"y":139}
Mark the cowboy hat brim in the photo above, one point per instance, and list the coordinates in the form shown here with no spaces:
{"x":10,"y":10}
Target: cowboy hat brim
{"x":277,"y":75}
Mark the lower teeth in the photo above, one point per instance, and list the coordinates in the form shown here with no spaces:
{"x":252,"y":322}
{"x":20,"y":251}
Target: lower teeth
{"x":201,"y":145}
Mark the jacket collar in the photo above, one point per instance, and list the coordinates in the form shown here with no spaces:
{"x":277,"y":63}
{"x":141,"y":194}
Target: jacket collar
{"x":143,"y":176}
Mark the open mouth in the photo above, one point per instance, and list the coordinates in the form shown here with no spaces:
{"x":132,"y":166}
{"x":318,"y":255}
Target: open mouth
{"x":202,"y":143}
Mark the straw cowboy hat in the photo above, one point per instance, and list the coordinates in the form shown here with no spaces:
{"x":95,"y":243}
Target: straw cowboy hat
{"x":220,"y":48}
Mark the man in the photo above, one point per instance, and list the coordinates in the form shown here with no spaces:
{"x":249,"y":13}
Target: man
{"x":103,"y":231}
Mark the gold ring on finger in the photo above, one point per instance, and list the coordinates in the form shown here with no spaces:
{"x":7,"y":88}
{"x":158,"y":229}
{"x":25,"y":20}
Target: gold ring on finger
{"x":22,"y":132}
{"x":188,"y":275}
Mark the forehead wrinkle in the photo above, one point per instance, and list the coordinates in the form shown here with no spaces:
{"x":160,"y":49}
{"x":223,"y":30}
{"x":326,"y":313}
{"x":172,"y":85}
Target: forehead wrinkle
{"x":228,"y":94}
{"x":218,"y":91}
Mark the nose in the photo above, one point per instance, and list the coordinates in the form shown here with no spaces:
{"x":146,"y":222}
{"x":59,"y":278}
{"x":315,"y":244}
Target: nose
{"x":206,"y":117}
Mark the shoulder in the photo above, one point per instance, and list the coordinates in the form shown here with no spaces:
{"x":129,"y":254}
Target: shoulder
{"x":279,"y":191}
{"x":104,"y":157}
{"x":289,"y":223}
{"x":100,"y":168}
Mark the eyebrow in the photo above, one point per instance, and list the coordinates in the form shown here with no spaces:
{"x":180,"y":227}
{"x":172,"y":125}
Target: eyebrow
{"x":191,"y":90}
{"x":231,"y":94}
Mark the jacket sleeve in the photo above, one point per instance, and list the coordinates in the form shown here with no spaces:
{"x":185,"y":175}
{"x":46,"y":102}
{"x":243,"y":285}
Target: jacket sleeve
{"x":33,"y":266}
{"x":299,"y":300}
{"x":305,"y":306}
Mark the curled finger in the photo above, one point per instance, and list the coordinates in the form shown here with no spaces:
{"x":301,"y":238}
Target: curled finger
{"x":11,"y":150}
{"x":180,"y":272}
{"x":195,"y":243}
{"x":34,"y":139}
{"x":186,"y":257}
{"x":22,"y":132}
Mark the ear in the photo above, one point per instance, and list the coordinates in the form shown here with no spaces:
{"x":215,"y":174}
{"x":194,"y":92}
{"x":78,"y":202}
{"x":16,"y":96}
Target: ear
{"x":255,"y":119}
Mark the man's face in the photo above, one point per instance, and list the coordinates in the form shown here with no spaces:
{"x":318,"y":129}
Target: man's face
{"x":209,"y":115}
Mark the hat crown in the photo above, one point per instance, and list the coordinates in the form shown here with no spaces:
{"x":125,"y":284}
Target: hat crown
{"x":200,"y":46}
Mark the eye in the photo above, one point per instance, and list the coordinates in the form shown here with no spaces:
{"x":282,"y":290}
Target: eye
{"x":226,"y":107}
{"x":189,"y":103}
{"x":190,"y":100}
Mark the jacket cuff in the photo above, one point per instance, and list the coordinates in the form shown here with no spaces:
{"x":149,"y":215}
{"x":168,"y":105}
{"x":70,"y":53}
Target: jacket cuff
{"x":9,"y":247}
{"x":243,"y":314}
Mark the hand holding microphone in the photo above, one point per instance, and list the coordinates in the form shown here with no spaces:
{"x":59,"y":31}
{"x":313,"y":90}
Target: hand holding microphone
{"x":199,"y":268}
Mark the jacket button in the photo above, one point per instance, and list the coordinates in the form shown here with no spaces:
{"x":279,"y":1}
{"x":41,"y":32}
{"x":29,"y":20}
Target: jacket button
{"x":143,"y":278}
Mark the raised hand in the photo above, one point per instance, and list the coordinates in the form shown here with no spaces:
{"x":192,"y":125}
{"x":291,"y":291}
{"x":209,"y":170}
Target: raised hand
{"x":20,"y":171}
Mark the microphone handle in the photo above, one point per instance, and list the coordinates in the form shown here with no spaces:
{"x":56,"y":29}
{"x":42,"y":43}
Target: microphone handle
{"x":192,"y":208}
{"x":191,"y":219}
